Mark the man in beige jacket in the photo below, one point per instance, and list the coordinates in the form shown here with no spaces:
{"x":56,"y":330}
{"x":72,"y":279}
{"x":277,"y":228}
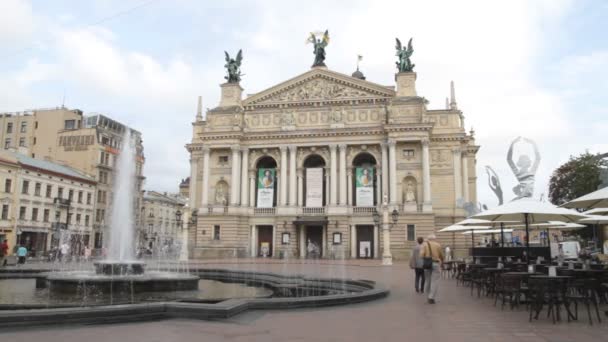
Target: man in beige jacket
{"x":431,"y":248}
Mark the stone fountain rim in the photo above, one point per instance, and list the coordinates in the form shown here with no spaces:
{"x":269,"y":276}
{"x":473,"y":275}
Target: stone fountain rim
{"x":370,"y":290}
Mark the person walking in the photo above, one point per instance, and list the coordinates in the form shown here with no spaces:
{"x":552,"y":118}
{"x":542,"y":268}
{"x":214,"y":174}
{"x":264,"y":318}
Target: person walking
{"x":416,"y":264}
{"x":432,"y":249}
{"x":21,"y":254}
{"x":87,"y":253}
{"x":64,"y":249}
{"x":3,"y":253}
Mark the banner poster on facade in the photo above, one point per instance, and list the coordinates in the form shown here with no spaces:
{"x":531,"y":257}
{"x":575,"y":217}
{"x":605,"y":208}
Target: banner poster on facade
{"x":314,"y":187}
{"x":364,"y":181}
{"x":265,"y":188}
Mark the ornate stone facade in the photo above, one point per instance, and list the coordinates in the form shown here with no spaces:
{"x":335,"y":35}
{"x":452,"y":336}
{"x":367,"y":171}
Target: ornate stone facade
{"x":319,"y":133}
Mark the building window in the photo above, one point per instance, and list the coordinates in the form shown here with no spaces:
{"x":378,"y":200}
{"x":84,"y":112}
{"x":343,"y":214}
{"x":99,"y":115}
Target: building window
{"x":57,"y":216}
{"x":60,"y":192}
{"x":78,"y":218}
{"x":216,"y":232}
{"x":223,"y":159}
{"x":71,"y":194}
{"x":69,"y":218}
{"x":411,"y":232}
{"x":408,"y":154}
{"x":21,"y":142}
{"x":49,"y":190}
{"x":79,"y":196}
{"x":45,"y":215}
{"x":7,"y":144}
{"x":88,"y":198}
{"x":23,"y":127}
{"x":70,"y":124}
{"x":34,"y":214}
{"x":34,"y":143}
{"x":25,"y":187}
{"x":7,"y":185}
{"x":86,"y":220}
{"x":9,"y":127}
{"x":37,"y":189}
{"x":5,"y":211}
{"x":22,"y":213}
{"x":36,"y":125}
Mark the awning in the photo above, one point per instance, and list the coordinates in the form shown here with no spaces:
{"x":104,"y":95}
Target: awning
{"x":31,"y":230}
{"x":311,"y":220}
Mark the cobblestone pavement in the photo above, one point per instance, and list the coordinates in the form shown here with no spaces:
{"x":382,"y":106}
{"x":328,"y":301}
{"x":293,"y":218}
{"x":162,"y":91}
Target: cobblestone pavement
{"x":403,"y":316}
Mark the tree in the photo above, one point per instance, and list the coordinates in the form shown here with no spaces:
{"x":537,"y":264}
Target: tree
{"x":577,"y":177}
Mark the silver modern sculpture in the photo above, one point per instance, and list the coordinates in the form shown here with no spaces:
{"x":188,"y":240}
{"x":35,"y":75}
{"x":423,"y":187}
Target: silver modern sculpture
{"x":494,"y":183}
{"x":524,"y":170}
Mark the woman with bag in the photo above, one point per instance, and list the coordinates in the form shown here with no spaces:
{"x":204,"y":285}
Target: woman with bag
{"x":416,"y":265}
{"x":432,"y":257}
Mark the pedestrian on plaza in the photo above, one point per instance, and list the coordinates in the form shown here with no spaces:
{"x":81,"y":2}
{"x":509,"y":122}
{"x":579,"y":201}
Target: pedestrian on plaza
{"x":87,"y":253}
{"x":432,"y":249}
{"x":3,"y":253}
{"x":21,"y":254}
{"x":65,"y":249}
{"x":416,"y":264}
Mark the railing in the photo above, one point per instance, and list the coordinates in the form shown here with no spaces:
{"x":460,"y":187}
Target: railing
{"x":313,"y":211}
{"x":264,"y":211}
{"x":364,"y":210}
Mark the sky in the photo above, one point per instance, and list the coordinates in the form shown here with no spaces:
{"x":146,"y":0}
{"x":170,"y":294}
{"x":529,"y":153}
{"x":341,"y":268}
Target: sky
{"x":537,"y":69}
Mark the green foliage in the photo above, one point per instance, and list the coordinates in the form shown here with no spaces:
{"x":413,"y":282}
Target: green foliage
{"x":577,"y":177}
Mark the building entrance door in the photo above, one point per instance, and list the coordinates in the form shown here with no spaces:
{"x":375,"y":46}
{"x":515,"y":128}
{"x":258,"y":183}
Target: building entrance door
{"x":314,"y":241}
{"x":365,"y":242}
{"x":265,"y":241}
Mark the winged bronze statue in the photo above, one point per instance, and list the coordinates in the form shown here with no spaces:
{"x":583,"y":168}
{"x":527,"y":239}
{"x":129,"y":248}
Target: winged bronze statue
{"x":404,"y":64}
{"x":233,"y":67}
{"x":319,"y":47}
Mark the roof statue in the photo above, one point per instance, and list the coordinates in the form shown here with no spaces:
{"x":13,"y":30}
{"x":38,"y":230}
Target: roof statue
{"x":524,"y":170}
{"x":404,"y":64}
{"x":319,"y":45}
{"x":233,"y":67}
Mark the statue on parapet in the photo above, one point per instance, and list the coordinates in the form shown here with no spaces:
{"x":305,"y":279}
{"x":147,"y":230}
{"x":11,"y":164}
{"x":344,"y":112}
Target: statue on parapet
{"x":524,"y":169}
{"x":319,"y":47}
{"x":404,"y":64}
{"x":233,"y":67}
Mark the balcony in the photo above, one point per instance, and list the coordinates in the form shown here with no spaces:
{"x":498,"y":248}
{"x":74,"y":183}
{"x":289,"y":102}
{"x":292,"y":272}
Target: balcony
{"x":313,"y":211}
{"x":363,"y":211}
{"x":264,"y":211}
{"x":59,"y":225}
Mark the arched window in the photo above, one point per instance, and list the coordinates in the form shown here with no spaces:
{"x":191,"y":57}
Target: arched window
{"x":314,"y":181}
{"x":365,"y":184}
{"x":266,"y":180}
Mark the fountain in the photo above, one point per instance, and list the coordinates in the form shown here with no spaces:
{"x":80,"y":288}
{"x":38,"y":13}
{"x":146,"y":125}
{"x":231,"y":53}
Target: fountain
{"x":120,"y":271}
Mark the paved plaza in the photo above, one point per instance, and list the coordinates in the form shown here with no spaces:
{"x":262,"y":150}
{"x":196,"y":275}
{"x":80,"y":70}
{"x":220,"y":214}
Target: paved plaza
{"x":404,"y":315}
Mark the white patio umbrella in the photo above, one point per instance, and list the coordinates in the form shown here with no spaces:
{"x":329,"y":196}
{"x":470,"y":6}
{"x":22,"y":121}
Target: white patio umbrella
{"x":529,"y":211}
{"x":459,"y":228}
{"x":489,"y":231}
{"x":596,"y":211}
{"x":594,"y":220}
{"x":596,"y":199}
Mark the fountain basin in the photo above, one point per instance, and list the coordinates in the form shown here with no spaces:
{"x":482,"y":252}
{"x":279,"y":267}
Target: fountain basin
{"x":119,"y":268}
{"x":90,"y":283}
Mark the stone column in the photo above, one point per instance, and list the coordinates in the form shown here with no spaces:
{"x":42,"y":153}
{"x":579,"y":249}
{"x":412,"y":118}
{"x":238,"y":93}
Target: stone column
{"x":283,"y":179}
{"x":343,"y":174}
{"x":380,"y":179}
{"x":387,"y":257}
{"x":327,"y":182}
{"x":300,"y":189}
{"x":385,"y":177}
{"x":392,"y":160}
{"x":457,"y":174}
{"x":252,"y":188}
{"x":353,"y":241}
{"x":293,"y":191}
{"x":206,"y":169}
{"x":465,"y":176}
{"x":193,"y":189}
{"x":302,"y":241}
{"x":333,"y":178}
{"x":426,"y":175}
{"x":253,"y":244}
{"x":235,"y":177}
{"x":349,"y":186}
{"x":244,"y":176}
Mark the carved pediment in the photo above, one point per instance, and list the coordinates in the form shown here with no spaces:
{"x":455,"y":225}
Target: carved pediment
{"x":320,"y":85}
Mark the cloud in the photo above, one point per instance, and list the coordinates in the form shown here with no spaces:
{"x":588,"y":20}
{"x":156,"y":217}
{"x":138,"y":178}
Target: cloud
{"x":490,"y":49}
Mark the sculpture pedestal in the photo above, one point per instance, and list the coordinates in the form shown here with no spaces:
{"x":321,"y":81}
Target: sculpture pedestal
{"x":406,"y":84}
